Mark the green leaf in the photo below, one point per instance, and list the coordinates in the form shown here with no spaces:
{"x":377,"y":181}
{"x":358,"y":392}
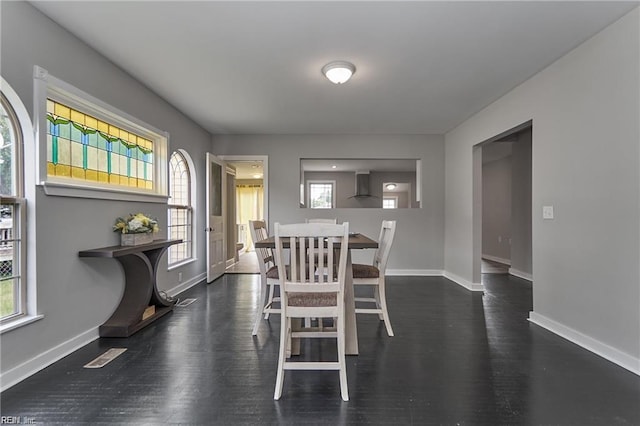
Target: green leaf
{"x":107,"y":137}
{"x":57,"y":120}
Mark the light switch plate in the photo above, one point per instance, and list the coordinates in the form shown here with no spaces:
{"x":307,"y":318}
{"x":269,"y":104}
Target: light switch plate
{"x":547,"y":212}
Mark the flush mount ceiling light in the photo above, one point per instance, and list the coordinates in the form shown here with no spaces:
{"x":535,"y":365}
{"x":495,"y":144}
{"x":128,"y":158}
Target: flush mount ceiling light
{"x":338,"y":72}
{"x":391,"y":186}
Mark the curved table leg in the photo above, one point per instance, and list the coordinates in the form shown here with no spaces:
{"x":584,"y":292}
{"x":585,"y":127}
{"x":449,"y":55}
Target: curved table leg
{"x":154,"y":256}
{"x":140,"y":291}
{"x":138,"y":286}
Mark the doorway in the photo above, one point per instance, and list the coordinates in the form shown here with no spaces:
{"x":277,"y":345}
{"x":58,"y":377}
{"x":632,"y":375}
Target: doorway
{"x":250,"y":190}
{"x":503,"y":205}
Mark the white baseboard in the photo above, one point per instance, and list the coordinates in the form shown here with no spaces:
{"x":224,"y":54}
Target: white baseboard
{"x":414,"y":272}
{"x":184,"y":286}
{"x":497,"y":259}
{"x":607,"y":352}
{"x":45,"y":359}
{"x":520,"y":274}
{"x":464,"y":283}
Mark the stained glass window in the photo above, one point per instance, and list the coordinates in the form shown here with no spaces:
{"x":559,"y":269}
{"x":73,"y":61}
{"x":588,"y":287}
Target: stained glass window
{"x":82,"y":147}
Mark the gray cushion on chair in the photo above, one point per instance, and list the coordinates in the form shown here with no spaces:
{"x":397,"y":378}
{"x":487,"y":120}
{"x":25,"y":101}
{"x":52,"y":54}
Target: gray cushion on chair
{"x":365,"y":271}
{"x":312,"y":299}
{"x":273,"y":273}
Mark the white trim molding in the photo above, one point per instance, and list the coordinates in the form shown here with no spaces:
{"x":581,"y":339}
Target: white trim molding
{"x":265,"y":177}
{"x":29,"y":220}
{"x":414,"y":272}
{"x":45,"y":359}
{"x":464,"y":283}
{"x":186,"y":285}
{"x":607,"y":352}
{"x":20,"y":322}
{"x":497,"y":259}
{"x":520,"y":274}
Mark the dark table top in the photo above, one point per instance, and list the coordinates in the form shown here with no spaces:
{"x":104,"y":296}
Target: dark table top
{"x":356,"y":241}
{"x":117,"y":251}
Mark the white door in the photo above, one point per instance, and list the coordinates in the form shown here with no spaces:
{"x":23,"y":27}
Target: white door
{"x":216,"y":208}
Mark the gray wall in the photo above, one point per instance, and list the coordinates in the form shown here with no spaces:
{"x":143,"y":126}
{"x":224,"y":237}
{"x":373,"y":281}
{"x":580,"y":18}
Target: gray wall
{"x":586,"y":162}
{"x":77,"y":295}
{"x":419,"y":235}
{"x":521,"y":262}
{"x":496,"y":208}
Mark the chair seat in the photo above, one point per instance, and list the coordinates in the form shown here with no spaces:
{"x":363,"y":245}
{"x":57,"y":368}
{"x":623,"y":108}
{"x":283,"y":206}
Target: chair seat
{"x":365,"y":271}
{"x":273,"y":273}
{"x":312,"y":299}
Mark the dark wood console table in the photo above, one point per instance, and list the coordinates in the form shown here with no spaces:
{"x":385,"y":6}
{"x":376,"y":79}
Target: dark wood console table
{"x":140,"y":264}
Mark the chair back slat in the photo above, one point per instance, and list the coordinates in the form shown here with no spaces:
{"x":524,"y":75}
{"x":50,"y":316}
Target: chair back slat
{"x":258,"y":230}
{"x":387,"y":232}
{"x":313,"y":248}
{"x":321,"y":220}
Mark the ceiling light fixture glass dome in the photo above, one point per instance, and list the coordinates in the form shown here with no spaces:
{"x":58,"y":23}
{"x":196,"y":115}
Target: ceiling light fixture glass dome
{"x":339,"y":72}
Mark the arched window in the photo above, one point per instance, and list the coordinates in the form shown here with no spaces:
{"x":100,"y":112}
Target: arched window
{"x":180,"y":221}
{"x":13,"y":301}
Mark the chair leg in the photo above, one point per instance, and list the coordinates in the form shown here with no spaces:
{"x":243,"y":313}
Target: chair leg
{"x":260,"y":311}
{"x":376,"y":296}
{"x":270,"y":300}
{"x":383,"y":304}
{"x":285,"y":328}
{"x":344,"y":389}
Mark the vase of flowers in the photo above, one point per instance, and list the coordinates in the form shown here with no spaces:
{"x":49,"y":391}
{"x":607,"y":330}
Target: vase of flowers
{"x":136,"y":229}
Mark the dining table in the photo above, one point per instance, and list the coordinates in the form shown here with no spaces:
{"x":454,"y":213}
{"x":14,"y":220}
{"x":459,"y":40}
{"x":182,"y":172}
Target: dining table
{"x":357,"y":241}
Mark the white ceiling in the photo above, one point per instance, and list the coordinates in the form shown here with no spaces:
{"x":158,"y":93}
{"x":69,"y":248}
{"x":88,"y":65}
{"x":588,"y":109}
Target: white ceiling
{"x":248,"y":169}
{"x":254,"y":67}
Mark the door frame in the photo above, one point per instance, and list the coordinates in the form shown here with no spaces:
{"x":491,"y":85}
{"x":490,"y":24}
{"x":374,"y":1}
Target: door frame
{"x":476,"y":284}
{"x":211,"y":158}
{"x":265,"y":176}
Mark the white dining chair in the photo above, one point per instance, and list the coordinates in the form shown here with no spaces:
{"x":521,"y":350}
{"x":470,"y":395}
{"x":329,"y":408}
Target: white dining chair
{"x":318,"y":220}
{"x":321,"y":220}
{"x":268,"y":275}
{"x":305,"y":292}
{"x":374,"y":276}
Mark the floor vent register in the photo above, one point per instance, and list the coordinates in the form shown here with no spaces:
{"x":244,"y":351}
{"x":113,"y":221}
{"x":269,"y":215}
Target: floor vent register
{"x":105,"y":358}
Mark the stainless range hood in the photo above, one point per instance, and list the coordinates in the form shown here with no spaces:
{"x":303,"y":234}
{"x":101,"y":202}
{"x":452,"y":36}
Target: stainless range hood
{"x":362,"y":185}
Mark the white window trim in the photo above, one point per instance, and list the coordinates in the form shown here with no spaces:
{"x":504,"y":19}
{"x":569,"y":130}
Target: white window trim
{"x":29,"y":193}
{"x":46,"y":85}
{"x":333,"y":193}
{"x":390,"y":197}
{"x":193,"y":188}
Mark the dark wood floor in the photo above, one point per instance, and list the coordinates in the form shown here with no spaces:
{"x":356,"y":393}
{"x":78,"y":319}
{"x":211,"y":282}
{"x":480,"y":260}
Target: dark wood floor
{"x":458,"y":358}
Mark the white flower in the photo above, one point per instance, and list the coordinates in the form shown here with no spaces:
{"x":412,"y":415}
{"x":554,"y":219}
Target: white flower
{"x":135,"y":224}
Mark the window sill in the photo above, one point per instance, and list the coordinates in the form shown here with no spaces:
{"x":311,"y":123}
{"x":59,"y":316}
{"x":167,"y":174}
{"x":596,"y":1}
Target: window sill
{"x":181,"y":263}
{"x":20,"y":322}
{"x":63,"y":189}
